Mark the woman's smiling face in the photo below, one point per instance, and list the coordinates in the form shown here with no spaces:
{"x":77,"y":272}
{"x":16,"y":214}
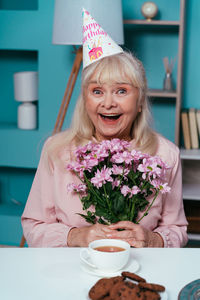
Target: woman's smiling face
{"x":112,"y":108}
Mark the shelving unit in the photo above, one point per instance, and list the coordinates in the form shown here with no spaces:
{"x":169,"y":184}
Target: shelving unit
{"x":12,"y":61}
{"x":160,"y":93}
{"x":190,"y":158}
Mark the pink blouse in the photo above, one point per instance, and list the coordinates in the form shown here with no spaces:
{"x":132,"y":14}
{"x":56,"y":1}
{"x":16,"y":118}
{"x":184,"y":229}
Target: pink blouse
{"x":51,"y":211}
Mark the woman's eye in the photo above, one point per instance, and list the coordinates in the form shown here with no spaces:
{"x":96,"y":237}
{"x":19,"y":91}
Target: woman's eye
{"x":121,"y":91}
{"x":97,"y":92}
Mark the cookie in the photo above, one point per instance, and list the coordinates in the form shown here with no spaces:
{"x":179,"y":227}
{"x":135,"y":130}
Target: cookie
{"x":106,"y":298}
{"x":152,"y":286}
{"x":100,"y":289}
{"x":150,"y":295}
{"x":124,"y":290}
{"x":103,"y":286}
{"x":133,"y":276}
{"x":117,"y":279}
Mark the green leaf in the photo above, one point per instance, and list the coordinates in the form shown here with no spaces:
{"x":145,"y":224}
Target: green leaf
{"x":101,"y":212}
{"x":87,"y":201}
{"x":109,"y":188}
{"x":90,"y":217}
{"x":118,"y":203}
{"x":133,"y":176}
{"x":101,"y":221}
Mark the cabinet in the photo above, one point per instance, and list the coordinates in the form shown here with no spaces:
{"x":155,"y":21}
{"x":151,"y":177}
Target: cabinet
{"x":191,"y":190}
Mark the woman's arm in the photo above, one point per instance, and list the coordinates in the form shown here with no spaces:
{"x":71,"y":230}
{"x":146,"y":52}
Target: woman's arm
{"x":40,"y":222}
{"x":173,"y":225}
{"x":40,"y":225}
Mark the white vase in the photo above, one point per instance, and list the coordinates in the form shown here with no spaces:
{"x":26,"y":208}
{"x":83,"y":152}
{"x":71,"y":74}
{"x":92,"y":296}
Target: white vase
{"x":27,"y":116}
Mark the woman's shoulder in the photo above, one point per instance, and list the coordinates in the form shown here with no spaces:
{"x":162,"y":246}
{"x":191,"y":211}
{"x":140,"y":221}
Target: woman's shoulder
{"x":167,"y":150}
{"x":59,"y":146}
{"x":63,"y":145}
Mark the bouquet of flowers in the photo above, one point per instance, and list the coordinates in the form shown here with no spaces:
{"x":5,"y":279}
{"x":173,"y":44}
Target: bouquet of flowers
{"x":116,"y":182}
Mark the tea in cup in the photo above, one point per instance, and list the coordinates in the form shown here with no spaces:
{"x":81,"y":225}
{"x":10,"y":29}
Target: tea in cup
{"x":106,"y":254}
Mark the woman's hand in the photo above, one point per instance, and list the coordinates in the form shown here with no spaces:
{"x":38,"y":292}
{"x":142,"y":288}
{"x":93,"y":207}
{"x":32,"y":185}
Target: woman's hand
{"x":135,"y":235}
{"x":81,"y":237}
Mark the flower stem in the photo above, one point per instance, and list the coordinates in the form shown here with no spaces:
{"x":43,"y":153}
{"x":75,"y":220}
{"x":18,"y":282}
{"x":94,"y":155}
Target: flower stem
{"x":121,"y":177}
{"x":91,"y":188}
{"x":107,"y":198}
{"x":132,"y":211}
{"x":146,"y":212}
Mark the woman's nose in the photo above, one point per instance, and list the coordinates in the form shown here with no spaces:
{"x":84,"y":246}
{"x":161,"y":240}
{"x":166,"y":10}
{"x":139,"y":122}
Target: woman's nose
{"x":109,"y":101}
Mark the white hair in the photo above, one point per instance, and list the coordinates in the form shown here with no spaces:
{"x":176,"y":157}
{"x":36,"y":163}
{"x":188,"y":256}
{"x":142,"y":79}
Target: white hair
{"x":123,"y":67}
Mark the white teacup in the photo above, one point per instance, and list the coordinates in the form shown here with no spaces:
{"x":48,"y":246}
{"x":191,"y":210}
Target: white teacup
{"x":106,"y":254}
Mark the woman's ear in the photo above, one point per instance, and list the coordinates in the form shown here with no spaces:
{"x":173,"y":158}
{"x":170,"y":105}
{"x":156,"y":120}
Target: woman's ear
{"x":140,"y":108}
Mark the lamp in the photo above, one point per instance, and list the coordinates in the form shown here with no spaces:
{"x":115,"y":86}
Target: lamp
{"x":67,"y":30}
{"x":26,"y":91}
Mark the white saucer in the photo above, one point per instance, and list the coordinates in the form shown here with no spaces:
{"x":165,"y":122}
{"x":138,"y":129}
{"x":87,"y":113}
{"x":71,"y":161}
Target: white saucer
{"x":164,"y":295}
{"x":132,"y":266}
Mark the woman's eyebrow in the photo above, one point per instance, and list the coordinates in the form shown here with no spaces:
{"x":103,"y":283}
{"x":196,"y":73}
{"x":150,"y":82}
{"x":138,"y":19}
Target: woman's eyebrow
{"x":114,"y":83}
{"x":92,"y":82}
{"x":123,"y":83}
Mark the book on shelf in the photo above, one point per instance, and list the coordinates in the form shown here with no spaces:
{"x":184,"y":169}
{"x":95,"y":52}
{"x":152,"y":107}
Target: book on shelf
{"x":198,"y":120}
{"x":186,"y":129}
{"x":193,"y":128}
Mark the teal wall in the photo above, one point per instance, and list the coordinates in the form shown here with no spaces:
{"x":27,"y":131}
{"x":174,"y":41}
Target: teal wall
{"x":26,"y":44}
{"x":192,"y":57}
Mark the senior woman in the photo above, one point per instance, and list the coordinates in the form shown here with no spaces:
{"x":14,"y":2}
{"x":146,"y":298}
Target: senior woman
{"x":112,"y":104}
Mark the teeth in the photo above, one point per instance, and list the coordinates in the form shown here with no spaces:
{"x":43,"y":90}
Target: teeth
{"x":110,"y":116}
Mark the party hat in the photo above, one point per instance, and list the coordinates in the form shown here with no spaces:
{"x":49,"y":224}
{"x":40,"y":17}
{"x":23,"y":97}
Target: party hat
{"x":96,"y":42}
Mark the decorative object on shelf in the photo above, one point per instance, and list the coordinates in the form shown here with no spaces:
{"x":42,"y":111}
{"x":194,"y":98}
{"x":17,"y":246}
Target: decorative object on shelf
{"x":67,"y":30}
{"x":168,"y":83}
{"x":149,"y":10}
{"x":26,"y":91}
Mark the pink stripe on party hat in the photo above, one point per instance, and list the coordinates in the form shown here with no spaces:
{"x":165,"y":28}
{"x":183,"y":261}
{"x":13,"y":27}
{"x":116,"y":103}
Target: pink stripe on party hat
{"x":96,"y":42}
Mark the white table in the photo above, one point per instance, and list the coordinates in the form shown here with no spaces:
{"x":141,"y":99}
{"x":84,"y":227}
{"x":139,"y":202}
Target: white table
{"x":37,"y":274}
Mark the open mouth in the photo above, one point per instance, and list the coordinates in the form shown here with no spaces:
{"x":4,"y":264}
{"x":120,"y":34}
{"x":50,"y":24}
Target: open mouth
{"x":110,"y":117}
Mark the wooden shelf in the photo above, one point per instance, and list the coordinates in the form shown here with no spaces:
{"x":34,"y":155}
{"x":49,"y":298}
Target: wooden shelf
{"x":159,"y":93}
{"x":194,"y":236}
{"x":153,"y":22}
{"x":191,"y":191}
{"x":193,"y":154}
